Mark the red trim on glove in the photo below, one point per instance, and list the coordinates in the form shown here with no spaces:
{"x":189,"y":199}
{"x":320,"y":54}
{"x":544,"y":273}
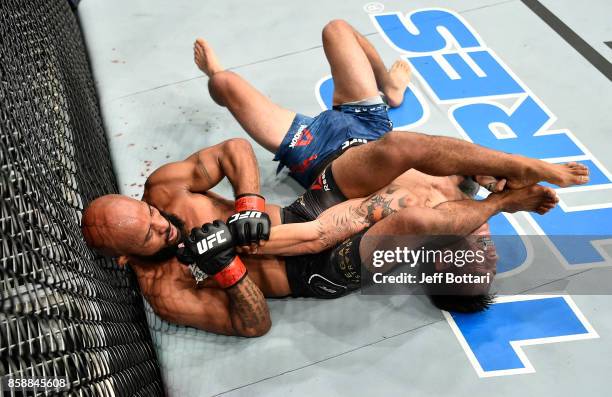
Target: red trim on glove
{"x":231,"y":274}
{"x":250,"y":201}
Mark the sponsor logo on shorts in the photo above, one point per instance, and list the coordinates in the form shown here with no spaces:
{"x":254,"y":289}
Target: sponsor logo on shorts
{"x":302,"y":137}
{"x":303,"y":166}
{"x":326,"y":286}
{"x":352,"y":142}
{"x":321,"y":183}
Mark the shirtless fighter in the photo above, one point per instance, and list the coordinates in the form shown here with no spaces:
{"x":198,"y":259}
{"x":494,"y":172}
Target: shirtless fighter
{"x":307,"y":145}
{"x":177,"y":199}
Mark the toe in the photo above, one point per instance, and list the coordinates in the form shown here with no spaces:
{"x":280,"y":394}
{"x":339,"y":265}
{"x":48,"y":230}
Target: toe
{"x":581,"y":169}
{"x":578,"y":167}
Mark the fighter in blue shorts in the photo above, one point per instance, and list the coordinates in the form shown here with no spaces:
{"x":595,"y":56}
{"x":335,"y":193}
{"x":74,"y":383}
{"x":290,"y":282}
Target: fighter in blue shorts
{"x":364,"y":90}
{"x":351,"y":147}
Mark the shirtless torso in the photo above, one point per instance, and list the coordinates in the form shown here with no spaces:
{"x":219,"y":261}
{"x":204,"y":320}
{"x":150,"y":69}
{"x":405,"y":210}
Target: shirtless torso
{"x":137,"y":231}
{"x":161,"y":283}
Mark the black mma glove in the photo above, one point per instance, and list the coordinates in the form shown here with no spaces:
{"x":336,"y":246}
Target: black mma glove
{"x":250,"y":223}
{"x":249,"y":227}
{"x":211,"y":248}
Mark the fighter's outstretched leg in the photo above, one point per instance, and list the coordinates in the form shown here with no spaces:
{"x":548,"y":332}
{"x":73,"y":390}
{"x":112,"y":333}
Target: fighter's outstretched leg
{"x":357,"y":69}
{"x":367,"y":168}
{"x":262,"y":119}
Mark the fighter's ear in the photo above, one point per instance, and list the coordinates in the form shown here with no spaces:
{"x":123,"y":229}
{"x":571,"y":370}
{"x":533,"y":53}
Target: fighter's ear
{"x":122,"y":260}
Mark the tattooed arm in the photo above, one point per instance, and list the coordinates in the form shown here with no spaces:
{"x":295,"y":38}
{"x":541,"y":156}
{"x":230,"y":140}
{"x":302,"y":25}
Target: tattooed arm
{"x":334,"y":225}
{"x":248,"y":309}
{"x":240,"y":310}
{"x":331,"y":227}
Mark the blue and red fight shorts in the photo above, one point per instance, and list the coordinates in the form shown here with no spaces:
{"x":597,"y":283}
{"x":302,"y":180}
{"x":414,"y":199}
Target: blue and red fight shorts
{"x":312,"y":143}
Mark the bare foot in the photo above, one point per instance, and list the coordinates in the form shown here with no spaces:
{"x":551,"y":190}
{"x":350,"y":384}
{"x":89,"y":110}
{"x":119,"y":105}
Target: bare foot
{"x":533,"y":198}
{"x":205,"y":57}
{"x":394,"y":87}
{"x":562,"y":175}
{"x":569,"y":174}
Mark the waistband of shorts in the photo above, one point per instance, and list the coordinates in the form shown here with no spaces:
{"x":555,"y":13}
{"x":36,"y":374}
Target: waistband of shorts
{"x":348,"y":108}
{"x":371,"y":101}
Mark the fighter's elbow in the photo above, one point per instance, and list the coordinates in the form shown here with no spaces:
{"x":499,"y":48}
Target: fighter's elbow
{"x":255,"y":331}
{"x":166,"y":315}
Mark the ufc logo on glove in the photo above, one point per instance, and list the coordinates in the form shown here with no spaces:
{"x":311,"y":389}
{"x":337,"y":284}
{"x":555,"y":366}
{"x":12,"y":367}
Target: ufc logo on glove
{"x":210,"y":242}
{"x":244,"y":215}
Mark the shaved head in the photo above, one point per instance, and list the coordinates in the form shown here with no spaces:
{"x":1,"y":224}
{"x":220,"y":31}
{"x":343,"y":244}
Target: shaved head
{"x":112,"y":223}
{"x":117,"y":225}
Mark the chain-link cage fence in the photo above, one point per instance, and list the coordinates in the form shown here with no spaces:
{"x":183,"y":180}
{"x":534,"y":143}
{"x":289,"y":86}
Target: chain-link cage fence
{"x":65,"y":311}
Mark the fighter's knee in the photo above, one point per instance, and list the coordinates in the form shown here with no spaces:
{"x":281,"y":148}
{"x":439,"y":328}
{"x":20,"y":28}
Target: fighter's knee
{"x":334,"y":27}
{"x":238,"y":145}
